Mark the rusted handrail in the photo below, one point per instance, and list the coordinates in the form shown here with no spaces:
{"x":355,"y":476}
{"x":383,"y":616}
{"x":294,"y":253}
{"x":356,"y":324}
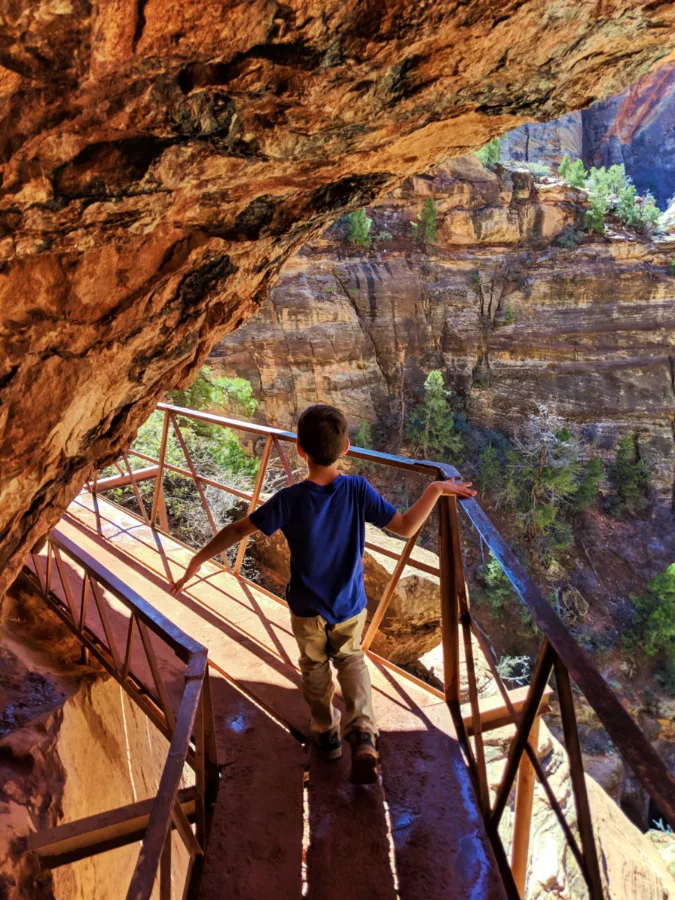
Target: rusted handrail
{"x":559,"y":653}
{"x":191,"y":733}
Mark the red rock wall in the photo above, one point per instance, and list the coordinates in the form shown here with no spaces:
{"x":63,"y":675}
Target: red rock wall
{"x":161,"y":160}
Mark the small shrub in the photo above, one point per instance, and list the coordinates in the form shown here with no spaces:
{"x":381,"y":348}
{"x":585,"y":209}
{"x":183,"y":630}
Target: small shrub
{"x":631,"y":477}
{"x":573,"y":173}
{"x":598,"y":206}
{"x":587,"y":491}
{"x":606,"y":181}
{"x":509,"y":316}
{"x":363,"y":438}
{"x":359,"y":228}
{"x":655,"y":625}
{"x":671,"y":266}
{"x":424,"y":229}
{"x":489,"y":469}
{"x":569,"y":238}
{"x":665,"y":675}
{"x":538,"y":170}
{"x":491,"y":153}
{"x":516,"y":669}
{"x":496,"y":592}
{"x":384,"y":235}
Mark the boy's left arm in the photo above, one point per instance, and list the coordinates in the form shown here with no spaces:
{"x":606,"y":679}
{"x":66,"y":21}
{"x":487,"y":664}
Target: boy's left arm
{"x":408,"y":523}
{"x":227,"y":537}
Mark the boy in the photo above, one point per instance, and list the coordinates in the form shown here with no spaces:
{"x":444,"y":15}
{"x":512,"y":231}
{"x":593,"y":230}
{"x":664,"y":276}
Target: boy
{"x":323,"y":519}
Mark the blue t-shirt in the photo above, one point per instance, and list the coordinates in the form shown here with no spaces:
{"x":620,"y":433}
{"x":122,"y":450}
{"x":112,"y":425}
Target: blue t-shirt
{"x":325,"y":529}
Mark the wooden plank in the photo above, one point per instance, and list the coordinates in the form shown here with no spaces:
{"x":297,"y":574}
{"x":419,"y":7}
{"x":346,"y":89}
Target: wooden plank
{"x":536,"y":690}
{"x":159,"y":825}
{"x":495,"y":714}
{"x":105,"y":831}
{"x":156,"y":675}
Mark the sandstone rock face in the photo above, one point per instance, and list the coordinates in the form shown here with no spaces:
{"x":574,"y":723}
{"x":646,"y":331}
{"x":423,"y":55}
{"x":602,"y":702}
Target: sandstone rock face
{"x":637,"y":129}
{"x":161,"y":160}
{"x":547,"y":141}
{"x":631,"y":866}
{"x":515,"y":321}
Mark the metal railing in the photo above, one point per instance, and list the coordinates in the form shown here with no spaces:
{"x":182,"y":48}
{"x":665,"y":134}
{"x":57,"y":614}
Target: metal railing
{"x":559,"y":653}
{"x":74,"y":584}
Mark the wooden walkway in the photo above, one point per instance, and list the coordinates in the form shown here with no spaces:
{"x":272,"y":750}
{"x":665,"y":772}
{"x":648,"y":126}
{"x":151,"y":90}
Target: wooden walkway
{"x":287,"y":824}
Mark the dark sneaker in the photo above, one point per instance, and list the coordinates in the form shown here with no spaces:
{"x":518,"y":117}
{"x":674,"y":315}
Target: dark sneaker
{"x":330,"y":744}
{"x":364,"y":757}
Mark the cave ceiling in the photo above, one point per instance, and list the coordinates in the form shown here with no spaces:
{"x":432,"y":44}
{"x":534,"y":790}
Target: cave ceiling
{"x":160,"y":160}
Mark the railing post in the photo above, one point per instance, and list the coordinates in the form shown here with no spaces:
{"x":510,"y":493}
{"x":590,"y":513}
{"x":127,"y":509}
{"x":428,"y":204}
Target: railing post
{"x":388,"y":593}
{"x":260,"y":480}
{"x":449,"y":602}
{"x":578,"y":779}
{"x":523,"y":814}
{"x":159,"y":481}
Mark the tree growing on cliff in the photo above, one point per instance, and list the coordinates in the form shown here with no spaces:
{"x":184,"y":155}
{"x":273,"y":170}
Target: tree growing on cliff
{"x":424,"y":229}
{"x":631,"y":477}
{"x":654,"y":630}
{"x":214,"y":451}
{"x":359,"y":228}
{"x":430,"y":430}
{"x":490,"y":153}
{"x":545,"y":484}
{"x":490,"y":470}
{"x":573,"y":172}
{"x":610,"y":190}
{"x":233,"y":394}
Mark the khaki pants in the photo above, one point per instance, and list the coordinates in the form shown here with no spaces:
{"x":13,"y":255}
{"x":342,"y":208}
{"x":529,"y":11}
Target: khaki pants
{"x":320,"y":643}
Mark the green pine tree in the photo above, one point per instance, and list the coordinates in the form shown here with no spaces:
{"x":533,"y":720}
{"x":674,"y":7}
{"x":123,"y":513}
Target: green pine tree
{"x":587,"y":491}
{"x":655,"y":631}
{"x":431,"y":428}
{"x":489,"y":470}
{"x":631,"y":476}
{"x":359,"y":228}
{"x":425,"y":227}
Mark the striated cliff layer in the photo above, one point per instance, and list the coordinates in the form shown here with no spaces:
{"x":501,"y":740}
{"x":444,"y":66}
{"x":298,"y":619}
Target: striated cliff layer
{"x":160,"y":161}
{"x":515,"y":321}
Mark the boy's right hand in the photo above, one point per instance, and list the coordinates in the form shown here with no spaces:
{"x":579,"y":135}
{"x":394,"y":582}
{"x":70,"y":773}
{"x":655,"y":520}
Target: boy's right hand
{"x":456,"y":487}
{"x":193,"y":567}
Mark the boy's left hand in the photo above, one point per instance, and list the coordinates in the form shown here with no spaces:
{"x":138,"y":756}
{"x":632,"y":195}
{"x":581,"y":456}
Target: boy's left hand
{"x":456,"y":487}
{"x":193,"y":567}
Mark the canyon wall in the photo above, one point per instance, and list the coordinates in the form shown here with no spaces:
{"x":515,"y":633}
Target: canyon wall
{"x":160,"y":161}
{"x":635,"y":129}
{"x":514,"y":320}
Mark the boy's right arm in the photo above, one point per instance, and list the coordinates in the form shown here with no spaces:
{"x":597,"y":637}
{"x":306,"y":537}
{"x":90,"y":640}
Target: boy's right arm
{"x":408,"y":523}
{"x":226,"y":538}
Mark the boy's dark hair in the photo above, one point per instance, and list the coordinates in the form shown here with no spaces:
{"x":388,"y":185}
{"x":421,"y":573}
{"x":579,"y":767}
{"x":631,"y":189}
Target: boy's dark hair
{"x":322,"y":433}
